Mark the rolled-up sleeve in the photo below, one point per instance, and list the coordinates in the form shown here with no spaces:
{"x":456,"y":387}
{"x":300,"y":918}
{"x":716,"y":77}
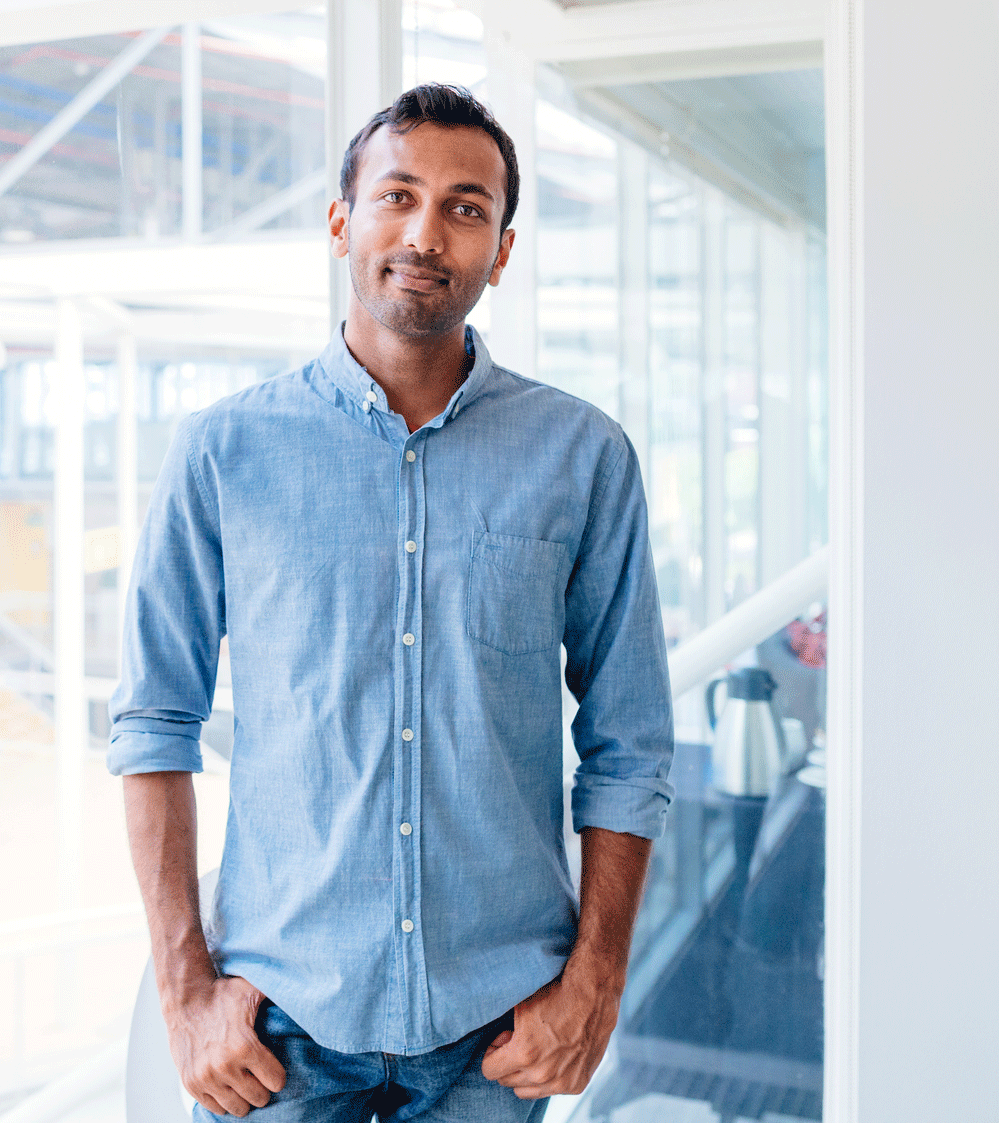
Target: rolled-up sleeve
{"x":174,"y":623}
{"x":616,"y":661}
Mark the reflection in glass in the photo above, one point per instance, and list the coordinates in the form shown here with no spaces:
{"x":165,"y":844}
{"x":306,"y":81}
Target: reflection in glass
{"x":577,"y":257}
{"x":722,"y":1018}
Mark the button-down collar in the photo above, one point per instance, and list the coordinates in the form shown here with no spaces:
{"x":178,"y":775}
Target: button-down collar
{"x":345,"y":374}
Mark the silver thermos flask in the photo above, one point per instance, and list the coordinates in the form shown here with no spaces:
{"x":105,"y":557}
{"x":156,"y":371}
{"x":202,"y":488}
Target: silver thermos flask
{"x":749,"y":753}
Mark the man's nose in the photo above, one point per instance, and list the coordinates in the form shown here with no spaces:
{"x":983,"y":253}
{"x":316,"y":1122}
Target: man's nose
{"x":425,"y":231}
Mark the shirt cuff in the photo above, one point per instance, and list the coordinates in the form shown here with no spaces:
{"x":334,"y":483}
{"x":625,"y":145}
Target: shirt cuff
{"x":133,"y":751}
{"x":633,"y":806}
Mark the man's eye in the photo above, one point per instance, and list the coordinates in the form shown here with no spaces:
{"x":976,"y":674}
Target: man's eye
{"x":467,"y":210}
{"x":393,"y":197}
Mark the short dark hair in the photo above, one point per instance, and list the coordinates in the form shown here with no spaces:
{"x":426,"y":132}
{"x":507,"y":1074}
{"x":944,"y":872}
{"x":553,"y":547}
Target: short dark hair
{"x":450,"y":106}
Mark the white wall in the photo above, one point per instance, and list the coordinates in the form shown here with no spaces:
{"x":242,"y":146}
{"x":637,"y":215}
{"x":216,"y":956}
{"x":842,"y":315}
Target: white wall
{"x":929,"y":894}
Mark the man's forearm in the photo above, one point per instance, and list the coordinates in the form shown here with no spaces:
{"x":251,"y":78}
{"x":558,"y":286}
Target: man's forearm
{"x":162,"y":832}
{"x":613,"y":877}
{"x":561,"y":1031}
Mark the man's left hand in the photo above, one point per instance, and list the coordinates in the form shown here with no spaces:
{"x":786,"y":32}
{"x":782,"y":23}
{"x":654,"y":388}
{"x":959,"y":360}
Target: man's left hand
{"x":559,"y":1036}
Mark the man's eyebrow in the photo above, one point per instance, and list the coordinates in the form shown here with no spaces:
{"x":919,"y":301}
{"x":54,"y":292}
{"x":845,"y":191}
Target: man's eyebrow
{"x":455,"y":188}
{"x":402,"y":177}
{"x":472,"y":189}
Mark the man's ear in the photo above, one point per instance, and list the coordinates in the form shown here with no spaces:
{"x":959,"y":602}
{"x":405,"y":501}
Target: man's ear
{"x":339,"y":214}
{"x":506,"y":244}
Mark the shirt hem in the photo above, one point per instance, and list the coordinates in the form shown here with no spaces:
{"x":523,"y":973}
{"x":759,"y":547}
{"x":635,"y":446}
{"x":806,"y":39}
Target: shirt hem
{"x":398,"y":1048}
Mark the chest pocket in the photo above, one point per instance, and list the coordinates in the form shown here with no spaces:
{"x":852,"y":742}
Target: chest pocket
{"x":513,"y":593}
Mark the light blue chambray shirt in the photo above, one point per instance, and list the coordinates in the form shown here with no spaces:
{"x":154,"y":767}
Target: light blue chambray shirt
{"x":394,"y":874}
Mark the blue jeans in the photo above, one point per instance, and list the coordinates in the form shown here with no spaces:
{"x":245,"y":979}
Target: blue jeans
{"x":323,"y":1086}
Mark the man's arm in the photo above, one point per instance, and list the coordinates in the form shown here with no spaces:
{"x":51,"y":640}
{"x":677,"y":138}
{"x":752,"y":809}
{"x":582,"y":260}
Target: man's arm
{"x":561,"y":1032}
{"x":616,"y":668}
{"x":209,"y":1019}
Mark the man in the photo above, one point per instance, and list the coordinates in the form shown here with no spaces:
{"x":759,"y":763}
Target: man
{"x":397,"y":539}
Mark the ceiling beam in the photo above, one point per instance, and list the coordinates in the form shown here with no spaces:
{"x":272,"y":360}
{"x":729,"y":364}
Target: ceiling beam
{"x":757,"y":58}
{"x":276,"y":205}
{"x":71,"y":114}
{"x":31,"y":21}
{"x":765,"y":195}
{"x":547,"y":33}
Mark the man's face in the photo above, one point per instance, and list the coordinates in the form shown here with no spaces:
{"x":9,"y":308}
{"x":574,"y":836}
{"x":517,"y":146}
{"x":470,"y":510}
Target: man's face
{"x":423,"y":234}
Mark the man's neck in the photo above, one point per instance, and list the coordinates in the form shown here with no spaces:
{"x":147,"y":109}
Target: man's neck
{"x":419,"y":375}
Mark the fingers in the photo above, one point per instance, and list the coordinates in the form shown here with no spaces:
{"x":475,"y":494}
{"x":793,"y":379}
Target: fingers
{"x":223,"y":1062}
{"x":229,"y":1103}
{"x":210,"y":1103}
{"x":534,"y":1084}
{"x":532,"y":1073}
{"x":243,"y":1077}
{"x":503,"y":1038}
{"x":536,"y":1093}
{"x":267,"y":1069}
{"x":235,"y":1089}
{"x":503,"y":1059}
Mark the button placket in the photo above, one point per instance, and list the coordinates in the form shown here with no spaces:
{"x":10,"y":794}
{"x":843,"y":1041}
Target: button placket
{"x":406,"y":863}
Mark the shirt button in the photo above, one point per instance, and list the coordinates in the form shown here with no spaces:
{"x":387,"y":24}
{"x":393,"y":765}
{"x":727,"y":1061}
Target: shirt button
{"x":410,"y":547}
{"x":407,"y":734}
{"x":408,"y":926}
{"x":371,"y":396}
{"x":365,"y":406}
{"x":410,"y":455}
{"x":406,"y":828}
{"x":409,"y":639}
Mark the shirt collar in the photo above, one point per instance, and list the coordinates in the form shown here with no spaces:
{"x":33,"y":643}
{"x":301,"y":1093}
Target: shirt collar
{"x":353,"y":380}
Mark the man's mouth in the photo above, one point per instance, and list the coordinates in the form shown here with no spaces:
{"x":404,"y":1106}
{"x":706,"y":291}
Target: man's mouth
{"x":416,"y":279}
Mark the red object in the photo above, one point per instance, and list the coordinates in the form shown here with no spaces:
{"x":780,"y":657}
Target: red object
{"x":808,"y":641}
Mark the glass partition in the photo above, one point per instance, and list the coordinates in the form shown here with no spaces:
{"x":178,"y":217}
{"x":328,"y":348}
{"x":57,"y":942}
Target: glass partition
{"x":715,"y":360}
{"x":722,"y":1017}
{"x":119,"y":171}
{"x":577,"y":257}
{"x":169,"y":323}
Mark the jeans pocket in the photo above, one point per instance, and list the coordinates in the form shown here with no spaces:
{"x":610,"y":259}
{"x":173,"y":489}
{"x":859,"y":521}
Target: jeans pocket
{"x":513,"y":593}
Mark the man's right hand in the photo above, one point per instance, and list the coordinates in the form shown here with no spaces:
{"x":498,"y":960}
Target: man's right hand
{"x":221,"y":1060}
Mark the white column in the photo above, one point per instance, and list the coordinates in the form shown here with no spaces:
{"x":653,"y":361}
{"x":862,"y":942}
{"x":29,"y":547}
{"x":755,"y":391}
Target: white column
{"x":783,"y":417}
{"x":633,"y":298}
{"x":10,"y":408}
{"x":913,"y":763}
{"x":513,"y":304}
{"x":191,"y":157}
{"x":128,"y":498}
{"x":71,"y":718}
{"x":364,"y":75}
{"x":715,"y":437}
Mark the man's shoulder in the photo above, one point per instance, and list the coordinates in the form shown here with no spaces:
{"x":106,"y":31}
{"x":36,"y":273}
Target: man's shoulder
{"x":555,"y":406}
{"x":278,"y":396}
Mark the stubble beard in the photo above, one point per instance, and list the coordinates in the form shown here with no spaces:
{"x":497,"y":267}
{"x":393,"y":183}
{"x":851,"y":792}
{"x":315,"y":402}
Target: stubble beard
{"x":414,"y":314}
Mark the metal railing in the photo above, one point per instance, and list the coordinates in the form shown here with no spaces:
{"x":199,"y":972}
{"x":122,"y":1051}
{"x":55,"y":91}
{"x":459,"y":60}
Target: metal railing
{"x":759,"y":616}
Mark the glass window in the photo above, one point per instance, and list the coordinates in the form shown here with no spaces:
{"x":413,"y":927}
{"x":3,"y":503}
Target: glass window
{"x":442,"y":42}
{"x":119,"y":170}
{"x":577,"y":257}
{"x":676,"y":427}
{"x":722,"y":1017}
{"x":204,"y":317}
